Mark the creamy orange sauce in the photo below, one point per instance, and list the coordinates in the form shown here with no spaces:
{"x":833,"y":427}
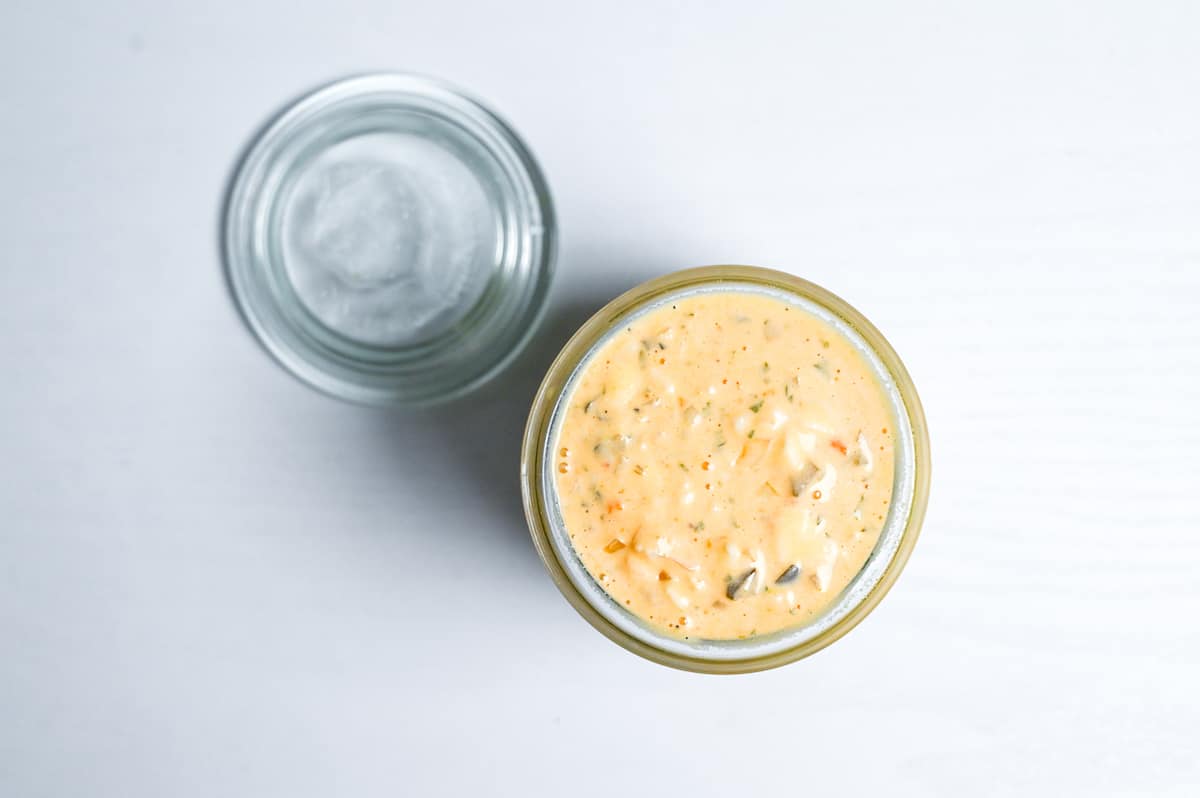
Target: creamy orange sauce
{"x":725,"y":464}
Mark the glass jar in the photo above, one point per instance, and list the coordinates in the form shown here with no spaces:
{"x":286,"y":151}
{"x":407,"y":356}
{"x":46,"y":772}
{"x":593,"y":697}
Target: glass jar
{"x":865,"y":590}
{"x":390,"y":240}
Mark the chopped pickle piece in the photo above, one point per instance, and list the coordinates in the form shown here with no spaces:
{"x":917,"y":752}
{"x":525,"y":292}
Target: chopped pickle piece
{"x":740,"y":584}
{"x":789,"y":574}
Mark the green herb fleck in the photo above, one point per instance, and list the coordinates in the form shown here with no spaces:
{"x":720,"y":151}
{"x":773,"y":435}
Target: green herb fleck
{"x":683,"y":467}
{"x":754,"y":408}
{"x":750,"y":434}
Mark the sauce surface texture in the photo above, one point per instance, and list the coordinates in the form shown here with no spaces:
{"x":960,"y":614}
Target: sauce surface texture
{"x":724,"y":465}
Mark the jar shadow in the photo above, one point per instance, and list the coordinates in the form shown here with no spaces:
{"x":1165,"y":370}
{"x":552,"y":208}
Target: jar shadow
{"x":481,"y":433}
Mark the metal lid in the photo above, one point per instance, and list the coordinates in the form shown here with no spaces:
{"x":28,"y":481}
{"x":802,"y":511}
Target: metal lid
{"x":390,"y":240}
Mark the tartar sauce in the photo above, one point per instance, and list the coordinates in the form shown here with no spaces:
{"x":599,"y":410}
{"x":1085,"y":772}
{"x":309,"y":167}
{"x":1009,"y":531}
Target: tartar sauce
{"x":725,"y":465}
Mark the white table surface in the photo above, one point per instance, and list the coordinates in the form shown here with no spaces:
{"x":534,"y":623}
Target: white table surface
{"x":216,"y":582}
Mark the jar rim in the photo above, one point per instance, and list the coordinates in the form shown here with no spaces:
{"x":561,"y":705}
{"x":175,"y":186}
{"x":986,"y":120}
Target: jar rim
{"x":577,"y":585}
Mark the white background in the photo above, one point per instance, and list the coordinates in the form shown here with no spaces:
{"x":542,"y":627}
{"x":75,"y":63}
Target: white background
{"x":216,"y":582}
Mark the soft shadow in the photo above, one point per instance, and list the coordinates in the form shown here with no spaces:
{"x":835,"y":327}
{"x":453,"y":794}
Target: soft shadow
{"x":490,"y":424}
{"x":482,"y":432}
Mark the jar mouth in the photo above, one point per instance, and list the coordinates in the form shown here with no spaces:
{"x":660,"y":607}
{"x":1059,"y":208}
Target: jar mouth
{"x":390,"y":240}
{"x":856,"y":599}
